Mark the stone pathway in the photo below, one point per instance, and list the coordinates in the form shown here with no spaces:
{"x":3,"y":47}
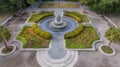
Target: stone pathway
{"x":68,"y":60}
{"x":57,"y":47}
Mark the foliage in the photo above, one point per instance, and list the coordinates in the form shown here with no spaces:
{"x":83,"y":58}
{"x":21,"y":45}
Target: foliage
{"x":84,"y":1}
{"x":11,"y":5}
{"x":105,"y":6}
{"x":75,"y":32}
{"x":23,"y":40}
{"x":113,"y":34}
{"x":37,"y":17}
{"x":74,"y":16}
{"x":77,"y":16}
{"x":4,"y":33}
{"x":84,"y":18}
{"x":84,"y":39}
{"x":72,"y":0}
{"x":30,"y":1}
{"x":41,"y":32}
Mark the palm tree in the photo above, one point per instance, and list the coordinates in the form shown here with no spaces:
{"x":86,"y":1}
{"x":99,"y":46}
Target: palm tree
{"x":4,"y":36}
{"x":113,"y":34}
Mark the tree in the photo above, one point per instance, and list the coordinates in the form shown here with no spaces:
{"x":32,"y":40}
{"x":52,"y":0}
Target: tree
{"x":4,"y":36}
{"x":12,"y":5}
{"x":113,"y":34}
{"x":31,"y":2}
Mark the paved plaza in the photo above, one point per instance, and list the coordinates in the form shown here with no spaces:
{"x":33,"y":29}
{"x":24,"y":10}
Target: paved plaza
{"x":21,"y":58}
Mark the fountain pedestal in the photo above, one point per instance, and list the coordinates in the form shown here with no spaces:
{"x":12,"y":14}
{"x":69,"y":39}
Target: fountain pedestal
{"x":58,"y":23}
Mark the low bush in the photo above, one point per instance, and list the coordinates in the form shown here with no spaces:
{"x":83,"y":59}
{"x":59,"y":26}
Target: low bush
{"x":41,"y":32}
{"x":84,"y":18}
{"x":74,"y":16}
{"x":37,"y":17}
{"x":77,"y":16}
{"x":75,"y":32}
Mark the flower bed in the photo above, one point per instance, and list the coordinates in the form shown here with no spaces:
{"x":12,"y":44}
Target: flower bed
{"x":30,"y":39}
{"x":84,"y":39}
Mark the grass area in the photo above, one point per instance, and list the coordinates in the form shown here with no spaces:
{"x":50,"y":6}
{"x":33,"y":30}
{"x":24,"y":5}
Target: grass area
{"x":31,"y":39}
{"x":77,"y":16}
{"x":58,"y":5}
{"x":107,"y":49}
{"x":84,"y":39}
{"x":36,"y":17}
{"x":3,"y":17}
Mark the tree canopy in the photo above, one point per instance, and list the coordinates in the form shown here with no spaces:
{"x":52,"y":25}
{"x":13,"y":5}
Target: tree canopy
{"x":4,"y":33}
{"x":104,"y":6}
{"x":113,"y":34}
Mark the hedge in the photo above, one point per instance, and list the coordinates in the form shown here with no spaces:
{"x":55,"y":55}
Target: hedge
{"x":37,"y":17}
{"x":74,"y":16}
{"x":41,"y":32}
{"x":77,"y":16}
{"x":75,"y":32}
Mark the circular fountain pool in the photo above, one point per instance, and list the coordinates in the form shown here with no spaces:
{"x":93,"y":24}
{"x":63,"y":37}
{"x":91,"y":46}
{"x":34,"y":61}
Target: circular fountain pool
{"x":45,"y":24}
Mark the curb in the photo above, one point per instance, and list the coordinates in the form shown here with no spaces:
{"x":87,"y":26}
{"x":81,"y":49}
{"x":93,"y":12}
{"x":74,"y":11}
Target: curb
{"x":3,"y":54}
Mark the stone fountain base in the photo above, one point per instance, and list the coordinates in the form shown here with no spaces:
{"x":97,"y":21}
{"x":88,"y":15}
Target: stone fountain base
{"x":44,"y":60}
{"x":58,"y":25}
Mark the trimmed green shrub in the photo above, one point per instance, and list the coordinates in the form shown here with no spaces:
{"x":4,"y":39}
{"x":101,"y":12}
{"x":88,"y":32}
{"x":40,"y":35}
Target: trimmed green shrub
{"x":75,"y":32}
{"x":84,"y":18}
{"x":77,"y":16}
{"x":72,"y":15}
{"x":41,"y":32}
{"x":37,"y":17}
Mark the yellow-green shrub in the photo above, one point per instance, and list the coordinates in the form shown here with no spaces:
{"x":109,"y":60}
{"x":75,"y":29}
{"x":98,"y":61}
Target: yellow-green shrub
{"x":77,"y":18}
{"x":41,"y":32}
{"x":75,"y":32}
{"x":37,"y":17}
